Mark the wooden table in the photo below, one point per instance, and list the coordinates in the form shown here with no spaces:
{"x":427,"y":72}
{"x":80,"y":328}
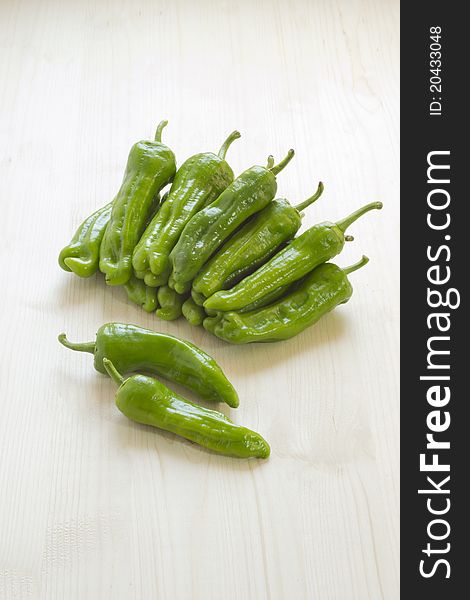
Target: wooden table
{"x":93,"y":506}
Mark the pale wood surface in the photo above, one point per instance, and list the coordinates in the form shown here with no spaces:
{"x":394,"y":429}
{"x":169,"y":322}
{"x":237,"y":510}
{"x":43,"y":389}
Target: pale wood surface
{"x":95,"y":507}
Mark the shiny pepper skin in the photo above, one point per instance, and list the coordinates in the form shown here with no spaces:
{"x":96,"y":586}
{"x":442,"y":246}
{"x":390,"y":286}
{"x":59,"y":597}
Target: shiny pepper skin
{"x":133,"y":348}
{"x":254,"y":189}
{"x":82,"y":255}
{"x":193,"y":313}
{"x":170,"y":303}
{"x":147,"y":401}
{"x":198,"y":182}
{"x":250,"y":247}
{"x":318,"y":293}
{"x":264,"y":301}
{"x":141,"y":294}
{"x":312,"y":248}
{"x":150,"y":166}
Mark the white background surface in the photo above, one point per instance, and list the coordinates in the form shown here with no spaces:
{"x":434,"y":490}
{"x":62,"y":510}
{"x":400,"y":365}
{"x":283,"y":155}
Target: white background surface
{"x":93,"y":506}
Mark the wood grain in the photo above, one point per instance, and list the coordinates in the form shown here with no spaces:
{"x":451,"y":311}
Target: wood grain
{"x":95,"y":507}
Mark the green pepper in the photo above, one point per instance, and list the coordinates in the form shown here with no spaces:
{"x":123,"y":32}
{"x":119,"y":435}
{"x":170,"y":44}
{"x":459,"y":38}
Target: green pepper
{"x":150,"y":279}
{"x":141,"y":294}
{"x":316,"y":294}
{"x":150,"y":166}
{"x":264,"y":301}
{"x":314,"y":247}
{"x":82,"y":255}
{"x":214,"y":316}
{"x":268,"y":298}
{"x":133,"y":348}
{"x":198,"y":182}
{"x":250,"y":247}
{"x":254,"y":189}
{"x":145,"y":274}
{"x":171,"y":303}
{"x":198,"y":298}
{"x":146,"y":400}
{"x":193,"y":313}
{"x":183,"y":289}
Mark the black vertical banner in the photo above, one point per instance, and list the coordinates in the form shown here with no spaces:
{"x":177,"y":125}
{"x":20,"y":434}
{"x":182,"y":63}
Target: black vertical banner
{"x":435,"y":260}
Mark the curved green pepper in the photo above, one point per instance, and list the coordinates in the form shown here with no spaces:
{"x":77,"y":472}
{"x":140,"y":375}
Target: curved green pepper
{"x":214,"y":316}
{"x":198,"y":182}
{"x":150,"y":279}
{"x":264,"y":301}
{"x":141,"y":294}
{"x":185,"y":288}
{"x":193,"y":313}
{"x":314,"y":247}
{"x":150,"y":166}
{"x":133,"y":348}
{"x":251,"y":246}
{"x":147,"y":401}
{"x":269,"y":298}
{"x":316,"y":294}
{"x":198,"y":298}
{"x":171,"y":303}
{"x":148,"y":275}
{"x":210,"y":227}
{"x":82,"y":255}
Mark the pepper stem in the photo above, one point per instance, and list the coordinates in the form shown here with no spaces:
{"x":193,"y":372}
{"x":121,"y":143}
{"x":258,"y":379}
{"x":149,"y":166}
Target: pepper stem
{"x":347,"y":221}
{"x":303,"y":205}
{"x":112,"y":371}
{"x":83,"y":347}
{"x":285,"y":161}
{"x":158,"y":133}
{"x":270,"y":164}
{"x":364,"y":260}
{"x":228,"y":142}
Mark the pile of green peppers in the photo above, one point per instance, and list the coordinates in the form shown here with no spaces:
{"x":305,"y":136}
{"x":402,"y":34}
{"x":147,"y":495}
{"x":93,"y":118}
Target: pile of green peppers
{"x":224,"y":252}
